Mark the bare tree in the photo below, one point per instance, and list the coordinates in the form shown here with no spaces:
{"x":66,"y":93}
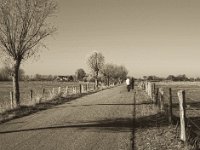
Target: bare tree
{"x":108,"y":70}
{"x":120,"y":73}
{"x":23,"y":25}
{"x":96,"y":62}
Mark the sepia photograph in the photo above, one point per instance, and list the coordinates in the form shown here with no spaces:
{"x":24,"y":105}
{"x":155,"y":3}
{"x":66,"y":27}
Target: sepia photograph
{"x":99,"y":75}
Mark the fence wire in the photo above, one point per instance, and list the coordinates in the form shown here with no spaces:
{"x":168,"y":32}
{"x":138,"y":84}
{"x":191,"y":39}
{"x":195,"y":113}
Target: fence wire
{"x":192,"y":105}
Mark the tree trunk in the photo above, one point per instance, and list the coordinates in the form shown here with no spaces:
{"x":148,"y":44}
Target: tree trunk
{"x":96,"y":82}
{"x":16,"y":84}
{"x":108,"y":81}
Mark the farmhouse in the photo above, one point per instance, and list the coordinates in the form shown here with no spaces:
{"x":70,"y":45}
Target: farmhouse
{"x":66,"y":78}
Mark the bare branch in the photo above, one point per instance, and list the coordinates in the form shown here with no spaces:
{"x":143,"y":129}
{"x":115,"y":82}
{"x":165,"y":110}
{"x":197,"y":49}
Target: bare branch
{"x":23,"y":25}
{"x":96,"y":62}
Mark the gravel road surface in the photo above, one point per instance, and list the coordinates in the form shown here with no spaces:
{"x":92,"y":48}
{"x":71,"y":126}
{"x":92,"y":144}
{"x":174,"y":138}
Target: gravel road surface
{"x":101,"y":121}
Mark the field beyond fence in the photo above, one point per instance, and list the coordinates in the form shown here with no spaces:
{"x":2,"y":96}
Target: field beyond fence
{"x":35,"y":92}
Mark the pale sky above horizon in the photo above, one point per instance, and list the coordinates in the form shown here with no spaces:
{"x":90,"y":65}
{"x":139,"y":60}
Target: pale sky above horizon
{"x":148,"y":37}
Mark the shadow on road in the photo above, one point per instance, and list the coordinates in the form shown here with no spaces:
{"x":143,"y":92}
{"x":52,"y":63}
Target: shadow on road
{"x":106,"y":104}
{"x":107,"y":125}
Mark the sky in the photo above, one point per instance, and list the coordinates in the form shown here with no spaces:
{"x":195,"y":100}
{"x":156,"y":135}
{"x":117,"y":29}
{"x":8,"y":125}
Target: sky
{"x":148,"y":37}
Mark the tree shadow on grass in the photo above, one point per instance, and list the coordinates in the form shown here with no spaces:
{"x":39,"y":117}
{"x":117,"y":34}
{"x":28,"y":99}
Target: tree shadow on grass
{"x":157,"y":120}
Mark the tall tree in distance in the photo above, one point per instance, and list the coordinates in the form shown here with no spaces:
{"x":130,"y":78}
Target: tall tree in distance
{"x":108,"y":71}
{"x":95,"y":62}
{"x":23,"y":25}
{"x":80,"y":74}
{"x":120,"y":73}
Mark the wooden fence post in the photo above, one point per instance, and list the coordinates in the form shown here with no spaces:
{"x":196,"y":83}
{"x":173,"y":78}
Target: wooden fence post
{"x":143,"y":85}
{"x":150,"y":90}
{"x":153,"y":92}
{"x":161,"y":100}
{"x":43,"y":92}
{"x":170,"y":106}
{"x":147,"y":90}
{"x":140,"y":85}
{"x":53,"y":92}
{"x":181,"y":97}
{"x":80,"y":88}
{"x":146,"y":86}
{"x":66,"y":90}
{"x":59,"y":90}
{"x":11,"y":100}
{"x":31,"y":94}
{"x":86,"y":88}
{"x":83,"y":89}
{"x":74,"y":90}
{"x":156,"y":97}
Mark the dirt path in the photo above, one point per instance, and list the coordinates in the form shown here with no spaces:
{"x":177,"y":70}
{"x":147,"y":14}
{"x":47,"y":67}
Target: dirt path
{"x":103,"y":120}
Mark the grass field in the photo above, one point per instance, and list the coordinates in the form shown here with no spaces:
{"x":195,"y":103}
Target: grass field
{"x":192,"y":90}
{"x":37,"y":88}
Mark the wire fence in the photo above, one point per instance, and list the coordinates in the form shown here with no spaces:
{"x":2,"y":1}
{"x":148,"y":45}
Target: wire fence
{"x":31,"y":96}
{"x":170,"y":99}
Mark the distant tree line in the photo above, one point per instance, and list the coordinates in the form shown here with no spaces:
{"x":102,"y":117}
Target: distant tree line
{"x":178,"y":78}
{"x":182,"y":77}
{"x":108,"y":74}
{"x":113,"y":74}
{"x":39,"y":77}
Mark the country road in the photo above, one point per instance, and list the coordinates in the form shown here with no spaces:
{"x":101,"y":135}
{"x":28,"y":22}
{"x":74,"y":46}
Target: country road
{"x":101,"y":121}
